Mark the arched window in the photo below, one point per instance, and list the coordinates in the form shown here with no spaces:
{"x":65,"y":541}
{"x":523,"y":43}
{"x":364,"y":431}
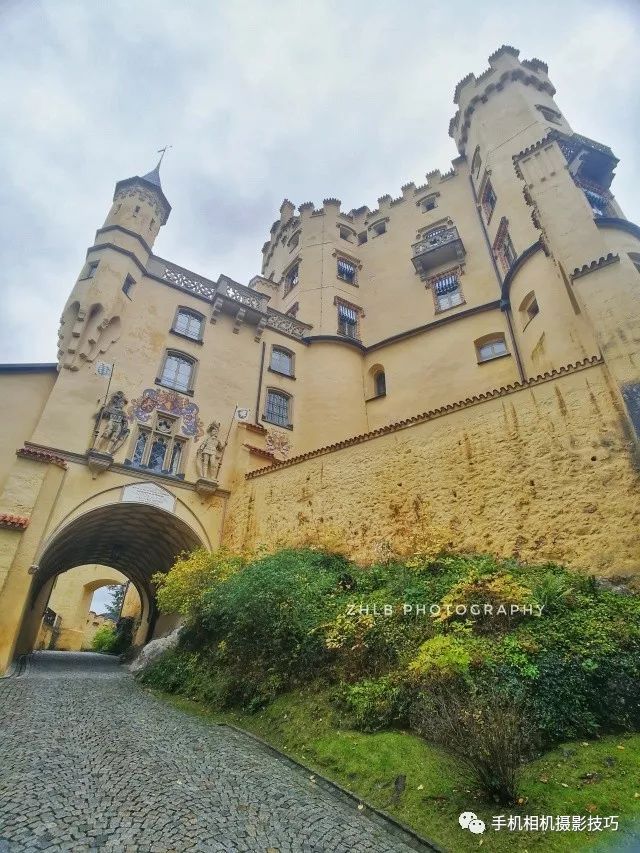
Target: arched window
{"x":277,"y":408}
{"x":491,"y":346}
{"x":188,"y":323}
{"x":282,"y":361}
{"x":177,"y":372}
{"x":380,"y":382}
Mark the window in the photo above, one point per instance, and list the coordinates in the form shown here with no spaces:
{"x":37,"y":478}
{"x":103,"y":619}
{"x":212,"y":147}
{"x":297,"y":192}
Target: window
{"x":491,"y":348}
{"x":160,"y":449}
{"x":488,"y":200}
{"x":429,"y":203}
{"x":599,"y":204}
{"x":447,"y":292}
{"x":379,"y":228}
{"x":293,"y":311}
{"x":293,"y":242}
{"x":476,"y":161}
{"x":188,"y":323}
{"x":528,"y":309}
{"x":347,"y":320}
{"x":380,"y":383}
{"x":503,"y":247}
{"x":291,"y":278}
{"x":346,"y":233}
{"x":277,"y":408}
{"x":90,"y":269}
{"x":362,"y":238}
{"x":127,"y":287}
{"x":282,"y":361}
{"x":177,"y":372}
{"x":347,"y":271}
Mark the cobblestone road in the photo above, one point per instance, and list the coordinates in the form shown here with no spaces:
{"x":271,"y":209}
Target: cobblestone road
{"x":89,"y":761}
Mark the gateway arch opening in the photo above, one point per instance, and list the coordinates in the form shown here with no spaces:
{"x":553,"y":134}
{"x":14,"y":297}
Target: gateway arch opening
{"x":135,"y":539}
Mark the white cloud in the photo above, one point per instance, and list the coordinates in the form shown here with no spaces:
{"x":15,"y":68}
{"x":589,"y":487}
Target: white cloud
{"x":260,"y":101}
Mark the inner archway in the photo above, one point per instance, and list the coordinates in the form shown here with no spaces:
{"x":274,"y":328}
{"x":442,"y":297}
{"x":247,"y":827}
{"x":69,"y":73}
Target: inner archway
{"x":134,"y":538}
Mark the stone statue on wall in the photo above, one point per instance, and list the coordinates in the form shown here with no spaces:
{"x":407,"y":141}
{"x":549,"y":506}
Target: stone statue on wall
{"x":209,"y":455}
{"x":116,"y":430}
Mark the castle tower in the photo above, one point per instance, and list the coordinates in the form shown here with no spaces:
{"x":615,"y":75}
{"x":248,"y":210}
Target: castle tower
{"x":115,"y":264}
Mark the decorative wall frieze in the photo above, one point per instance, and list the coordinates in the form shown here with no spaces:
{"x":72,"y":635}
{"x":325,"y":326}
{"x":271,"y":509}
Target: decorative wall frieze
{"x":28,"y":452}
{"x":8,"y":521}
{"x":432,"y":414}
{"x":604,"y":261}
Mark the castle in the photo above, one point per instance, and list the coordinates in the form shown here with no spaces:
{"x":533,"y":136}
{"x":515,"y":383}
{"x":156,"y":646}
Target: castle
{"x":462,"y":361}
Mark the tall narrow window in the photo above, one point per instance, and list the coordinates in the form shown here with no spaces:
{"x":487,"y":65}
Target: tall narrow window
{"x":503,"y":247}
{"x":177,"y":372}
{"x":159,"y":448}
{"x":188,"y":323}
{"x":91,"y":269}
{"x":157,"y":454}
{"x":476,"y":162}
{"x":282,"y":361}
{"x":291,"y":279}
{"x":140,"y":447}
{"x":380,"y":383}
{"x":127,"y":287}
{"x":488,"y":200}
{"x":447,"y":292}
{"x":347,"y":320}
{"x":277,"y":408}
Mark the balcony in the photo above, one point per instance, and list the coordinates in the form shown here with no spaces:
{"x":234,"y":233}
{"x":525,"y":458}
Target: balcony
{"x":439,"y":246}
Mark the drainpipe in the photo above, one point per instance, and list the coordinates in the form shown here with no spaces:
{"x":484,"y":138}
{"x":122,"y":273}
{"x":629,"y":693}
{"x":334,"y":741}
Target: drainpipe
{"x":260,"y":382}
{"x":506,"y":308}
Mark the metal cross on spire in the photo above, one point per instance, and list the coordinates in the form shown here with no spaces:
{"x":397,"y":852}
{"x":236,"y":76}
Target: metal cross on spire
{"x":162,"y":152}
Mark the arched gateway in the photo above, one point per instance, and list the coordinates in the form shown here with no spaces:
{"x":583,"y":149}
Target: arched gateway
{"x":138,"y":539}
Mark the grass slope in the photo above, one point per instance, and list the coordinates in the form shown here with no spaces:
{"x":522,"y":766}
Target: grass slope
{"x":600,"y":777}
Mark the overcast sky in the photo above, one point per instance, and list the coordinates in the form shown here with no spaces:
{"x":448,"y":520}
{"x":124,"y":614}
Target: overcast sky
{"x":260,"y":100}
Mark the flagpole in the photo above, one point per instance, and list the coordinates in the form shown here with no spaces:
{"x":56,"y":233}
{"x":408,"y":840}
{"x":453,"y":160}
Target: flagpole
{"x":102,"y":407}
{"x":233,"y":417}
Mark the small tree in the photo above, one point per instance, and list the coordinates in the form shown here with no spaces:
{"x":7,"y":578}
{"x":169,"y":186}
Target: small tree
{"x":114,"y":605}
{"x":104,"y":639}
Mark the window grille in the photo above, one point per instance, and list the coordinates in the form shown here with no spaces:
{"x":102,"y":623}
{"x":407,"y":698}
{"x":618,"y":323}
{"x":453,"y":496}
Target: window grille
{"x":189,"y":324}
{"x":346,"y":271}
{"x":177,"y":372}
{"x":277,"y":408}
{"x":447,"y":291}
{"x":347,"y":320}
{"x":282,"y":361}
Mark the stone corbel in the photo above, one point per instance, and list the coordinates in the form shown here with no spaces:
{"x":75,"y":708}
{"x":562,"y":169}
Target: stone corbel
{"x":262,"y":325}
{"x":206,"y":488}
{"x":98,"y":462}
{"x":217,"y":308}
{"x":239,"y":320}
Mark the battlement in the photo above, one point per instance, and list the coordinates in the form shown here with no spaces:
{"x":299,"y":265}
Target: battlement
{"x":504,"y":67}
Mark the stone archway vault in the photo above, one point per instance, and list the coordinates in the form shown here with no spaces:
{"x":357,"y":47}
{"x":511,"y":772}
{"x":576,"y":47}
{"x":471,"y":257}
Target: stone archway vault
{"x":137,"y":539}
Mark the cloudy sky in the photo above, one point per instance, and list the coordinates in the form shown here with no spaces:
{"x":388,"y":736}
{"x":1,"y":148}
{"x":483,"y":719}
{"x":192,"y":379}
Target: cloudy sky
{"x":260,"y":99}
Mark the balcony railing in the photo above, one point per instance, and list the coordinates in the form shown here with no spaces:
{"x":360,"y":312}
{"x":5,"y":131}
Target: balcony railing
{"x":437,"y":247}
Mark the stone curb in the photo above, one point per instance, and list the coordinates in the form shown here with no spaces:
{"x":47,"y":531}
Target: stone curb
{"x":384,"y":819}
{"x":17,"y":667}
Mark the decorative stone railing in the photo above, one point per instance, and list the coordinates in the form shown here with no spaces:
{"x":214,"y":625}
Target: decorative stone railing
{"x":439,"y":247}
{"x":440,"y":238}
{"x":226,"y":290}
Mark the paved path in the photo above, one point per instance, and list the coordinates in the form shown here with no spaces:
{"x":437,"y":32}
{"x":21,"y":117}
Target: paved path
{"x":89,"y":761}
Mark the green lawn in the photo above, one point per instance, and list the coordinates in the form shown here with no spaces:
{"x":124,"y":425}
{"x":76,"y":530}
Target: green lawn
{"x":601,"y":777}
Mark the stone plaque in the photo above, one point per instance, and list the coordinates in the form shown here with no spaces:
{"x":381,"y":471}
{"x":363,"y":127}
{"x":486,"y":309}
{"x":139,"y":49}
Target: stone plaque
{"x":149,"y":493}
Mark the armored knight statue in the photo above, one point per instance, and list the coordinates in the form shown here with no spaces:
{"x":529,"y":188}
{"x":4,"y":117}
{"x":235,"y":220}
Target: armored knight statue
{"x":116,"y":429}
{"x":210,"y":453}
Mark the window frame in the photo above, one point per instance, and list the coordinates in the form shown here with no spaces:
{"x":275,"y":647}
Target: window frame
{"x":356,"y":309}
{"x":432,"y":283}
{"x":487,"y":208}
{"x":525,"y":309}
{"x":289,"y":408}
{"x":276,"y":348}
{"x":186,"y":310}
{"x":287,"y":284}
{"x":128,"y":285}
{"x":90,"y":269}
{"x":184,"y":356}
{"x":153,"y":433}
{"x":490,"y":341}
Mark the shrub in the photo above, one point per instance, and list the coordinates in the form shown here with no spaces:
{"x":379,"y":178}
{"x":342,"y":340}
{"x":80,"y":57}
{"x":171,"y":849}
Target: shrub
{"x":181,"y":589}
{"x":487,"y":732}
{"x":441,"y":656}
{"x":479,"y":588}
{"x":373,"y":704}
{"x":104,"y":639}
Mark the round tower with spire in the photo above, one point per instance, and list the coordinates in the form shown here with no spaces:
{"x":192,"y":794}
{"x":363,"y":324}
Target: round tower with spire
{"x":139,"y":206}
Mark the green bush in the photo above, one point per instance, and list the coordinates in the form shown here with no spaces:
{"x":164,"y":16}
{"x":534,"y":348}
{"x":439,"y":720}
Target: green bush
{"x":104,"y":639}
{"x":373,"y":704}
